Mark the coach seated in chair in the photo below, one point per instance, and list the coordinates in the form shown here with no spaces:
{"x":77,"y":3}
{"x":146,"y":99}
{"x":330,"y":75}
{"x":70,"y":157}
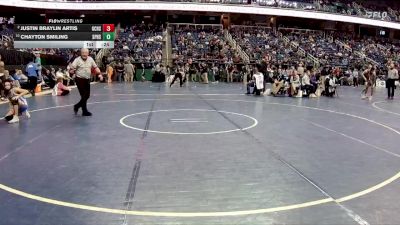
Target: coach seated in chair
{"x":295,"y":85}
{"x":256,"y":84}
{"x":314,"y":81}
{"x":278,"y":86}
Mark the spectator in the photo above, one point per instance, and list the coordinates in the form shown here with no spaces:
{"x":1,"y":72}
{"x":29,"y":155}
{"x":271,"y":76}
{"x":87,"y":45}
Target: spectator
{"x":392,"y":77}
{"x":110,"y":71}
{"x":120,"y":71}
{"x":257,"y":82}
{"x":32,"y":72}
{"x":2,"y":79}
{"x":60,"y":89}
{"x":355,"y":75}
{"x":20,"y":77}
{"x":129,"y":71}
{"x":38,"y":62}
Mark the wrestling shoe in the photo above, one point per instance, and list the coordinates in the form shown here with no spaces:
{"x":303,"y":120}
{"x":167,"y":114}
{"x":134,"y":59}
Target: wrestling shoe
{"x":27,"y":114}
{"x":14,"y":120}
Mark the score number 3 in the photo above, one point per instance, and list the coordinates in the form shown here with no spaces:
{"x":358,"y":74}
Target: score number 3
{"x":108,"y":28}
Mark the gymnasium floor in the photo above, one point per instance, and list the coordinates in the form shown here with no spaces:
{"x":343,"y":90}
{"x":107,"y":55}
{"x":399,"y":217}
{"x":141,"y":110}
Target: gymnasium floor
{"x":202,"y":155}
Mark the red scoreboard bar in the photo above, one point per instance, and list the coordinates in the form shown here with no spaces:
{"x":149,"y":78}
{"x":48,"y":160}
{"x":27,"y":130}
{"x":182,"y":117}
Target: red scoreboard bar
{"x":108,"y":28}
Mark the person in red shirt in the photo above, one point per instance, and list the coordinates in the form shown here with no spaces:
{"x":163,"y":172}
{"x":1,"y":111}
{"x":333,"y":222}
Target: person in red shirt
{"x":60,"y":89}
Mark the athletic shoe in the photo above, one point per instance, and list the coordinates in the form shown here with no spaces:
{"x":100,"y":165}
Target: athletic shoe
{"x":27,"y":114}
{"x":76,"y":108}
{"x":370,"y":98}
{"x":14,"y":120}
{"x":87,"y":113}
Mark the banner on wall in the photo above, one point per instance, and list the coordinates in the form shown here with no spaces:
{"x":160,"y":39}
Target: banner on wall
{"x":377,"y":15}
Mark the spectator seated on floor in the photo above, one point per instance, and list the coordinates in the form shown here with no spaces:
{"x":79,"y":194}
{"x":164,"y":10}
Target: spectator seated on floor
{"x":7,"y":76}
{"x":256,"y":84}
{"x":158,"y":75}
{"x":21,"y":78}
{"x":330,"y":86}
{"x":49,"y":77}
{"x":60,"y":89}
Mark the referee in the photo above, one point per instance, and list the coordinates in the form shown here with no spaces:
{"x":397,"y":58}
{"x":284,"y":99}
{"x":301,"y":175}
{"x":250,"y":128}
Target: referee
{"x":82,"y":68}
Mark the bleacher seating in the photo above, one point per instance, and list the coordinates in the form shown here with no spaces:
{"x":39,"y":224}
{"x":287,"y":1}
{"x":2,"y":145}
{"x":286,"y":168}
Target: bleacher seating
{"x":201,"y":44}
{"x":139,"y":43}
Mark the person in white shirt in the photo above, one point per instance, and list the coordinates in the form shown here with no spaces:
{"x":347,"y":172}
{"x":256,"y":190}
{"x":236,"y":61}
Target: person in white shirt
{"x":257,"y":82}
{"x":83,"y":67}
{"x":306,"y":84}
{"x":392,"y":76}
{"x":355,"y":77}
{"x":330,"y":85}
{"x":294,"y":83}
{"x":300,"y":69}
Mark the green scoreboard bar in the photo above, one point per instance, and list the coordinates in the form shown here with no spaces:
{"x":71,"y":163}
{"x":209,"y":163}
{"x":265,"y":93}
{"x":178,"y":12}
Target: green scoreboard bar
{"x":108,"y":36}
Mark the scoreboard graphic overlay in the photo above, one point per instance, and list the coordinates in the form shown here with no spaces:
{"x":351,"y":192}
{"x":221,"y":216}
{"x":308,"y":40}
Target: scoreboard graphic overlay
{"x":64,"y":35}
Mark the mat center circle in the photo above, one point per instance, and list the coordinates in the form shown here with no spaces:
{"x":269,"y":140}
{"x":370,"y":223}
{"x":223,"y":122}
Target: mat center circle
{"x":188,"y":121}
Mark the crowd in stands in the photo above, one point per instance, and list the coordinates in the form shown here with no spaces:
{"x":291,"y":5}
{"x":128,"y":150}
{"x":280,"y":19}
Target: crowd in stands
{"x":382,"y":10}
{"x":325,"y":49}
{"x":139,"y":43}
{"x":260,"y":43}
{"x":202,"y":44}
{"x":6,"y":32}
{"x":379,"y":50}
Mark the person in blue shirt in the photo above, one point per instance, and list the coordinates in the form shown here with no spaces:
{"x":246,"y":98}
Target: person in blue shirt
{"x":32,"y":73}
{"x":38,"y":62}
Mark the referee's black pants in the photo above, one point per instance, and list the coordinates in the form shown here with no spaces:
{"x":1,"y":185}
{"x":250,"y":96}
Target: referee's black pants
{"x":177,"y":75}
{"x":83,"y":86}
{"x":391,"y":85}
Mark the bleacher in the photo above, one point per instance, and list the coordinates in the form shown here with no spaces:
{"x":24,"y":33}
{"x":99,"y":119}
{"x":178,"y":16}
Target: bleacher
{"x":140,"y":43}
{"x":200,"y":44}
